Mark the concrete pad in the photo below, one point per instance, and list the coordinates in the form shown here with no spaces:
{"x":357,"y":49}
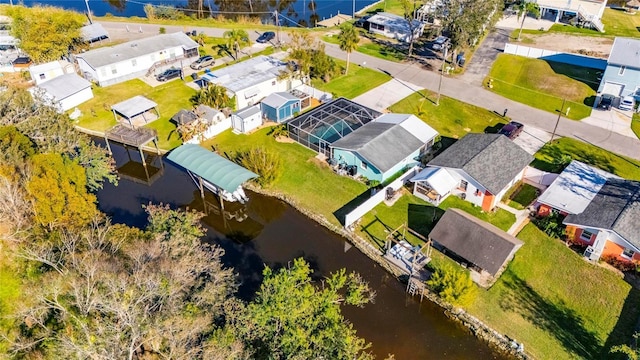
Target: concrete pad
{"x":387,"y":94}
{"x":614,"y":120}
{"x":531,"y":139}
{"x":511,"y":21}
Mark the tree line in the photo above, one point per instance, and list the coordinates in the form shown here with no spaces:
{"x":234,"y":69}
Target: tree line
{"x":97,"y":290}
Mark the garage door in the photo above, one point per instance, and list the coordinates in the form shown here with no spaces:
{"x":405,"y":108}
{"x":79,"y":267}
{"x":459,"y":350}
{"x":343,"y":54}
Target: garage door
{"x":612,"y":88}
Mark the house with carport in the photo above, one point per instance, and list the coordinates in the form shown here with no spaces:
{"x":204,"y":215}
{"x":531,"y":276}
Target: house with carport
{"x":609,"y":225}
{"x":478,"y":168}
{"x":622,"y":74}
{"x":385,"y":146}
{"x":136,"y":58}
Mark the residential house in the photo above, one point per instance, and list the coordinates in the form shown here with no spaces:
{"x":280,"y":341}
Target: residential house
{"x":246,"y":120}
{"x":251,"y":80}
{"x":482,"y":247}
{"x":479,"y":168}
{"x":280,"y":106}
{"x":587,"y":13}
{"x":66,"y":91}
{"x":622,"y":75}
{"x":573,"y":190}
{"x":384,"y":146}
{"x":122,"y":62}
{"x":47,"y":71}
{"x":609,"y":224}
{"x":395,"y":26}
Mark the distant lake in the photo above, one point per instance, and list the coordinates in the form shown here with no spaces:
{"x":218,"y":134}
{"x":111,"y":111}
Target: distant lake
{"x":304,"y":12}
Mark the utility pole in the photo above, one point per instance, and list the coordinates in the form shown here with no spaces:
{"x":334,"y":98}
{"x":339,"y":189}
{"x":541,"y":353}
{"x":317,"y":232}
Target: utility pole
{"x":88,"y":11}
{"x":353,"y":14}
{"x":278,"y":29}
{"x":560,"y":112}
{"x":444,"y":62}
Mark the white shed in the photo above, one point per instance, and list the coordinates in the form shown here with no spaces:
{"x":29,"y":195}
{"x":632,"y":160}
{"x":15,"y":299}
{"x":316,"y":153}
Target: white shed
{"x":247,"y":119}
{"x":67,"y":91}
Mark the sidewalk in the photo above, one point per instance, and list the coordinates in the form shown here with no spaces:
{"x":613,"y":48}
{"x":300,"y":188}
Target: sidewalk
{"x":522,"y":217}
{"x":387,"y":94}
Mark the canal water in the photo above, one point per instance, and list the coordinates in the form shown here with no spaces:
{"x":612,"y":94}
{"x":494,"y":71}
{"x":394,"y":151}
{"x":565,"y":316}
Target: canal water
{"x":293,"y":12}
{"x":268,"y":231}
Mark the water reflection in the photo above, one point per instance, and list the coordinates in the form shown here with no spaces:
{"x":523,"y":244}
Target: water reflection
{"x":267,"y":231}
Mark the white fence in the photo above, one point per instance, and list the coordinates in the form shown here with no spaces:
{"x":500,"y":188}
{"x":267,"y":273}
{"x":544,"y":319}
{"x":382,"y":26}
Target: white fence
{"x":378,"y":197}
{"x":539,"y":177}
{"x":212,"y":131}
{"x":527,"y":51}
{"x":557,"y":56}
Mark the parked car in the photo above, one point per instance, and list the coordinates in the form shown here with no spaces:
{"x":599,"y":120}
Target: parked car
{"x":169,"y":74}
{"x":606,"y":100}
{"x":440,"y":42}
{"x":627,"y":103}
{"x":203,"y":62}
{"x":266,"y":36}
{"x":512,"y":130}
{"x":22,"y":61}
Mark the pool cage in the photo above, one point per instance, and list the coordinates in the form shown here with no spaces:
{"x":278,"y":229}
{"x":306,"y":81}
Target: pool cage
{"x":324,"y":125}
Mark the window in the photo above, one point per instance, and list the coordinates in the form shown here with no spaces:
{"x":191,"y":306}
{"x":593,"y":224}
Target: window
{"x":364,"y":165}
{"x":478,"y":192}
{"x":622,"y":68}
{"x":586,"y":235}
{"x":628,"y":253}
{"x":42,"y":77}
{"x":463,"y":185}
{"x":134,"y":62}
{"x":114,"y":70}
{"x":273,"y":83}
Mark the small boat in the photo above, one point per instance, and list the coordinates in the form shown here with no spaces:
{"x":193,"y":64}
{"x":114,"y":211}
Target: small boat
{"x":237,"y":195}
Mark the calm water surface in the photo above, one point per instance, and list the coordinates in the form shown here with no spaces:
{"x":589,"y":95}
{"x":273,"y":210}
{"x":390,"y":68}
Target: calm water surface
{"x":267,"y":231}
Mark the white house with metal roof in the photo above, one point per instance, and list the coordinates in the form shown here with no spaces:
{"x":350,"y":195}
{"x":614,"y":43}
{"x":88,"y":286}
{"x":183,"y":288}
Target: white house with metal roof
{"x":48,"y":71}
{"x":384,"y":146}
{"x":66,"y":91}
{"x":622,"y":75}
{"x":394,"y":26}
{"x":122,"y":62}
{"x":251,"y":80}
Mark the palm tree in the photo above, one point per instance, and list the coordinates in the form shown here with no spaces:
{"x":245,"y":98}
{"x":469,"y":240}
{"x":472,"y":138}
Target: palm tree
{"x":348,"y":40}
{"x":235,"y":39}
{"x":213,"y":95}
{"x":524,"y":8}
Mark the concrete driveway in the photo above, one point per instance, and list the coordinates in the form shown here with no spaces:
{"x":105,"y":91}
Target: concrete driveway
{"x":387,"y":94}
{"x":531,"y":139}
{"x":614,"y":120}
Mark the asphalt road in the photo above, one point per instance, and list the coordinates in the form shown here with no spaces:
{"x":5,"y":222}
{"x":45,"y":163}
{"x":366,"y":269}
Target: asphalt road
{"x":480,"y":64}
{"x":456,"y":88}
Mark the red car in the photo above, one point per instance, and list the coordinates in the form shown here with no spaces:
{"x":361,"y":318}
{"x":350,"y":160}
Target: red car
{"x":512,"y":130}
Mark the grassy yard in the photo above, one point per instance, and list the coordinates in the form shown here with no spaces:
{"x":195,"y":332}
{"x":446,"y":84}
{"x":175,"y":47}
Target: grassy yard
{"x":421,"y":217}
{"x":368,"y":46}
{"x":452,"y":118}
{"x":635,"y":124}
{"x":521,"y":196}
{"x":616,"y":23}
{"x":549,"y":158}
{"x":390,"y":6}
{"x":327,"y":192}
{"x":558,"y":305}
{"x":357,"y":82}
{"x":543,"y":84}
{"x":170,"y":97}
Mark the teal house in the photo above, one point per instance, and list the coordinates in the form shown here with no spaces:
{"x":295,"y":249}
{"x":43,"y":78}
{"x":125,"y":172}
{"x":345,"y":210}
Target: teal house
{"x":280,"y":106}
{"x":622,"y":76}
{"x":384,"y":146}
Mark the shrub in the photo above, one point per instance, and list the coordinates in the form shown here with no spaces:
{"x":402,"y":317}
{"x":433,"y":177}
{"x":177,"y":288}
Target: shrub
{"x":162,"y":30}
{"x":453,"y":286}
{"x":552,"y":225}
{"x":263,"y":162}
{"x":621,"y":265}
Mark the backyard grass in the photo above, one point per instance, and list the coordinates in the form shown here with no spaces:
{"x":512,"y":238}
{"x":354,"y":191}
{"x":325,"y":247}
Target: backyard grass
{"x":635,"y":124}
{"x":170,"y":97}
{"x":543,"y":85}
{"x":307,"y":181}
{"x":452,"y":118}
{"x":550,"y":158}
{"x":358,"y":81}
{"x":521,"y":196}
{"x":558,"y":305}
{"x":421,"y":217}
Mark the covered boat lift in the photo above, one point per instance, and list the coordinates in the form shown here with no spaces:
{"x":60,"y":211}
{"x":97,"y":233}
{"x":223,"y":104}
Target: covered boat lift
{"x":210,"y":170}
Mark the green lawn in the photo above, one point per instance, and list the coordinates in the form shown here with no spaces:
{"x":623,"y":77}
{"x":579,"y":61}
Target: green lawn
{"x":452,"y":118}
{"x":421,"y":217}
{"x":306,"y":180}
{"x":521,"y":196}
{"x":357,"y":82}
{"x":635,"y":124}
{"x":390,"y":6}
{"x":170,"y":97}
{"x":367,"y":46}
{"x":616,"y":23}
{"x":543,"y":85}
{"x":558,"y":305}
{"x":548,"y":158}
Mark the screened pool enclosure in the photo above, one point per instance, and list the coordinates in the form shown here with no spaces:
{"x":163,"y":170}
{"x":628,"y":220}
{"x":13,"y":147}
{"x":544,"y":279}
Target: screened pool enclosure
{"x":322,"y":126}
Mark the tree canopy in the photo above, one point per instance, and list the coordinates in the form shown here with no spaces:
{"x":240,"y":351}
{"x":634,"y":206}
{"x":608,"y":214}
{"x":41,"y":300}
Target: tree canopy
{"x":348,"y":40}
{"x":236,"y":39}
{"x":310,"y":57}
{"x":46,"y":33}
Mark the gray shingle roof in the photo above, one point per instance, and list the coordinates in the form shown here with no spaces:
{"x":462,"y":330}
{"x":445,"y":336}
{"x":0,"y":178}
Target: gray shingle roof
{"x":64,"y":86}
{"x":184,"y":117}
{"x":136,"y":48}
{"x":626,"y":52}
{"x":477,"y":241}
{"x":382,"y":144}
{"x":491,"y":159}
{"x":616,"y":207}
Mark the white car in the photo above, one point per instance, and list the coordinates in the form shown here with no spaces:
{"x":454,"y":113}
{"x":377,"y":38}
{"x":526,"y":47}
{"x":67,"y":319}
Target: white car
{"x":627,"y":103}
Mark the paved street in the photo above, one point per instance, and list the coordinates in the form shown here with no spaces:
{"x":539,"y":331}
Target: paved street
{"x":455,"y":88}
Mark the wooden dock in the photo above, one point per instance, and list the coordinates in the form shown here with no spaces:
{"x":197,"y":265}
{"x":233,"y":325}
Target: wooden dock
{"x":334,"y":21}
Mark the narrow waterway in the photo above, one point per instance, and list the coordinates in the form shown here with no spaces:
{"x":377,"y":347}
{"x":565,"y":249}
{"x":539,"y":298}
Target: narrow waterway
{"x":268,"y":231}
